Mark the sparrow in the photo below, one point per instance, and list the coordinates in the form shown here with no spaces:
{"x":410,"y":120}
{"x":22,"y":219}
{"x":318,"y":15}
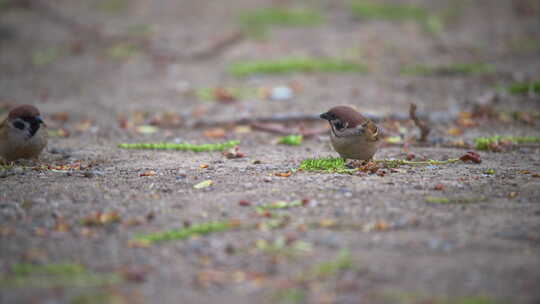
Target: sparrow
{"x":353,"y":136}
{"x":23,"y":134}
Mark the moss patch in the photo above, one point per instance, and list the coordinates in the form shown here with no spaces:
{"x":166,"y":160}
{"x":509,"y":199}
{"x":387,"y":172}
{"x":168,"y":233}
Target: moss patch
{"x":291,"y":140}
{"x":521,"y":88}
{"x":454,"y":200}
{"x":397,"y":12}
{"x":122,"y":50}
{"x":290,"y":295}
{"x":181,"y":146}
{"x":493,"y":142}
{"x":184,"y":233}
{"x":257,"y":22}
{"x":52,"y":275}
{"x":330,"y":268}
{"x":46,"y":56}
{"x":325,"y":164}
{"x":294,"y":65}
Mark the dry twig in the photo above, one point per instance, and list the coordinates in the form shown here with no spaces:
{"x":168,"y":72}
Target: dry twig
{"x":424,"y":128}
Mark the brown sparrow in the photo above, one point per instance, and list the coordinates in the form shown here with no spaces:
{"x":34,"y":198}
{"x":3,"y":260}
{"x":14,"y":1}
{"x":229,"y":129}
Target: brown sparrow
{"x":22,"y":134}
{"x":353,"y":136}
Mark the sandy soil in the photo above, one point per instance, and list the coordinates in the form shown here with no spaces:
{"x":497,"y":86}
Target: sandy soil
{"x":483,"y":248}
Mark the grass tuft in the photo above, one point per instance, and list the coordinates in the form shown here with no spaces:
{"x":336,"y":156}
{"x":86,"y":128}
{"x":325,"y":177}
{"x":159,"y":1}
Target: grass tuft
{"x":341,"y":262}
{"x":454,"y":200}
{"x":397,"y":12}
{"x":122,"y":50}
{"x":257,"y":22}
{"x":51,"y":275}
{"x":325,"y":164}
{"x":448,"y":70}
{"x":522,"y":88}
{"x":184,"y":233}
{"x":294,"y":65}
{"x":290,"y":295}
{"x":279,"y":205}
{"x":488,"y":143}
{"x":45,"y":56}
{"x":291,"y":140}
{"x":181,"y":146}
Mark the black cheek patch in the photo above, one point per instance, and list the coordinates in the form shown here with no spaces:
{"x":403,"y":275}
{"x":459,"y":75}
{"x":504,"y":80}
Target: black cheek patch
{"x":34,"y":125}
{"x":19,"y":125}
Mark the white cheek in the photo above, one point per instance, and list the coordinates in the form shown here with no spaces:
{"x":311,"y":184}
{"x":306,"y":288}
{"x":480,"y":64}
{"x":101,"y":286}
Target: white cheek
{"x":18,"y":134}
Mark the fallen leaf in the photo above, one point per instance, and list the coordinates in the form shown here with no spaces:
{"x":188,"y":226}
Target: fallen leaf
{"x":41,"y":232}
{"x":60,"y":116}
{"x":244,"y":203}
{"x":381,"y":225}
{"x":471,"y":156}
{"x":370,"y":167}
{"x":283,"y":174}
{"x":223,"y":95}
{"x":133,"y":222}
{"x":203,"y":184}
{"x":167,"y":120}
{"x":134,"y":274}
{"x":325,"y":223}
{"x":109,"y":217}
{"x":234,"y":153}
{"x":148,"y":173}
{"x":512,"y":194}
{"x":6,"y":231}
{"x":87,"y":232}
{"x":99,"y":218}
{"x":242,"y":129}
{"x":393,"y":139}
{"x":146,"y":129}
{"x":138,"y":244}
{"x":203,"y":166}
{"x":58,"y":133}
{"x":465,"y":120}
{"x":438,"y":187}
{"x":83,"y":126}
{"x":536,"y":175}
{"x":454,"y":131}
{"x":61,"y":225}
{"x":214,"y":133}
{"x":123,"y":123}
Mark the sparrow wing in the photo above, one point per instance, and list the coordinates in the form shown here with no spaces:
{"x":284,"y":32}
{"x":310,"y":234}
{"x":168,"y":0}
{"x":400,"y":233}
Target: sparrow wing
{"x":371,"y":131}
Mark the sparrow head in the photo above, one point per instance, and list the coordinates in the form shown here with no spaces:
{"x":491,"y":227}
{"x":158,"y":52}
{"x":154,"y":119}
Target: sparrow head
{"x":26,"y":119}
{"x":343,"y":117}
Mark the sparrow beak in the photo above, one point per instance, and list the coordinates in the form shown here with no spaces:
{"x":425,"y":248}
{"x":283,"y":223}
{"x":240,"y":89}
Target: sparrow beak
{"x":325,"y":116}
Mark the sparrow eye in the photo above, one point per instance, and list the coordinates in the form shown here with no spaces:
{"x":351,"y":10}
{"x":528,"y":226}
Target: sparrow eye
{"x":19,"y":125}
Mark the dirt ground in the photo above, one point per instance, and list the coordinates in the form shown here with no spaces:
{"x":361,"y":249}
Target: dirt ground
{"x":482,"y":247}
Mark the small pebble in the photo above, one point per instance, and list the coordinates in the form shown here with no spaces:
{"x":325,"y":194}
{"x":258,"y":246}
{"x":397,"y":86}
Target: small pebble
{"x":17,"y":170}
{"x":281,"y":93}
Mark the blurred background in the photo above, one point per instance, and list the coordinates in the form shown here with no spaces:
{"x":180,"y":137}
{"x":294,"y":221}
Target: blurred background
{"x":217,"y":60}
